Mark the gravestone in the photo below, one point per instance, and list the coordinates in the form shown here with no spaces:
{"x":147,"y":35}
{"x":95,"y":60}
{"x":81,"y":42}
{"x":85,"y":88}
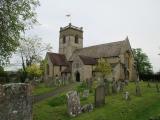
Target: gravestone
{"x":122,"y":84}
{"x":73,"y":103}
{"x":138,"y":90}
{"x":85,"y":93}
{"x":15,"y":102}
{"x":126,"y":95}
{"x":89,"y":83}
{"x":100,"y":96}
{"x":87,"y":108}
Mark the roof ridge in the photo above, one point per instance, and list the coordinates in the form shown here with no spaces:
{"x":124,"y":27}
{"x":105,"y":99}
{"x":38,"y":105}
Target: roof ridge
{"x":100,"y":45}
{"x":55,"y":53}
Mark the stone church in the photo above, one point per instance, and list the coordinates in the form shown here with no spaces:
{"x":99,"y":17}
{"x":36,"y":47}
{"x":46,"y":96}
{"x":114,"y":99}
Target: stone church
{"x":77,"y":63}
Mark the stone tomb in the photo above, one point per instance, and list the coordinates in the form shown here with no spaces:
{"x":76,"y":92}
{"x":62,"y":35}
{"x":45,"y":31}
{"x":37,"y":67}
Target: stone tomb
{"x":15,"y":102}
{"x":73,"y":103}
{"x":100,"y":96}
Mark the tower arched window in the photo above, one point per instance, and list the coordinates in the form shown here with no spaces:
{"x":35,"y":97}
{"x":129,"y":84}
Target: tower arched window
{"x":64,"y":39}
{"x":76,"y":39}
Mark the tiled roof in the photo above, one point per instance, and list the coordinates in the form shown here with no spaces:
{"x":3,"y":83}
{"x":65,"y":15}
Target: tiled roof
{"x":88,"y":60}
{"x":103,"y":50}
{"x":57,"y":59}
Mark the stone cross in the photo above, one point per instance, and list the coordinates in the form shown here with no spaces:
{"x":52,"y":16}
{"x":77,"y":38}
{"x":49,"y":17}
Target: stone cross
{"x":99,"y":96}
{"x":73,"y":103}
{"x":15,"y":102}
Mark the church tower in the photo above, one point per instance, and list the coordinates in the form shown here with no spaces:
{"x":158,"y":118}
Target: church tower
{"x":70,"y":39}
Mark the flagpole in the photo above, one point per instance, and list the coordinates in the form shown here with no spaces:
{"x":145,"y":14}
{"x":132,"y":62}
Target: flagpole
{"x":69,"y":17}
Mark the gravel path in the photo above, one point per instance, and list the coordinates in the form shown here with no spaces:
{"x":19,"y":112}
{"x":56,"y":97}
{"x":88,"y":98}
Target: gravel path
{"x":38,"y":98}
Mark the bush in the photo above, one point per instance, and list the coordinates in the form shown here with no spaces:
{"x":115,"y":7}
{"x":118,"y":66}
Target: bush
{"x":59,"y":100}
{"x":34,"y":71}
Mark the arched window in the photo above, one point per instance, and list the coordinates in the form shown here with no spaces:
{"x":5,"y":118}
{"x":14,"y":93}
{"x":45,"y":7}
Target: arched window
{"x":76,"y":39}
{"x":64,"y":39}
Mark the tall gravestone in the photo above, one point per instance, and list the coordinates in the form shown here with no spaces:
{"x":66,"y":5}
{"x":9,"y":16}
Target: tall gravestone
{"x":100,"y":96}
{"x":73,"y":103}
{"x":15,"y":102}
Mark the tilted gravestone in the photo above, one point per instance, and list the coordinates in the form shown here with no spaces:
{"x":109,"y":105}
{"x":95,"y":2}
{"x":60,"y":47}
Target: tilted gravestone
{"x":100,"y":96}
{"x":15,"y":102}
{"x":73,"y":103}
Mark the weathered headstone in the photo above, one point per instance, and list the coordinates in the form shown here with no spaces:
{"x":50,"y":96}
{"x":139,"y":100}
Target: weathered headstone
{"x":126,"y":82}
{"x":85,"y":93}
{"x":15,"y":102}
{"x":126,"y":95}
{"x":122,"y":84}
{"x":100,"y":96}
{"x":87,"y":108}
{"x":138,"y":90}
{"x":89,"y":83}
{"x":73,"y":103}
{"x":118,"y":86}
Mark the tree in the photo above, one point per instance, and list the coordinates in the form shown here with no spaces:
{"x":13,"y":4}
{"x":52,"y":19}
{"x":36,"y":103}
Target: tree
{"x":31,"y":49}
{"x":34,"y":71}
{"x":16,"y":16}
{"x":142,"y":61}
{"x":2,"y":72}
{"x":103,"y":67}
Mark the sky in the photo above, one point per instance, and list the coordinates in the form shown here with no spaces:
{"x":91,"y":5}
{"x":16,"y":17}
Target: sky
{"x":103,"y":21}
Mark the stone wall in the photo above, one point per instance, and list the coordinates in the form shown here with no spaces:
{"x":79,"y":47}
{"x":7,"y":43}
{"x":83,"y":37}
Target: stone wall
{"x":15,"y":102}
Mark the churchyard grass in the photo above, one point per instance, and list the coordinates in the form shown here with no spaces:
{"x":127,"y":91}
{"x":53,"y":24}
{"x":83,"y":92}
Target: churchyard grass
{"x":116,"y":108}
{"x":41,"y":89}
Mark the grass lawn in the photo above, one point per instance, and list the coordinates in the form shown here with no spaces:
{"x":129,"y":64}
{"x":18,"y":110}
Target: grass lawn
{"x":42,"y":88}
{"x":138,"y":108}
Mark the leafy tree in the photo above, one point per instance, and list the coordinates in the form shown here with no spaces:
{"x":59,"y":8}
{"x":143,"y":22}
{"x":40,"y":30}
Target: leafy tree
{"x":34,"y":71}
{"x":16,"y":16}
{"x":31,"y":50}
{"x":103,"y":67}
{"x":2,"y":72}
{"x":142,"y":61}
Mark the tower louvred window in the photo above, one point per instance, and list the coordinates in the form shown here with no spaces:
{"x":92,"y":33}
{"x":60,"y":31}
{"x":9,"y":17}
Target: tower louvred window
{"x":76,"y":39}
{"x":64,"y":39}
